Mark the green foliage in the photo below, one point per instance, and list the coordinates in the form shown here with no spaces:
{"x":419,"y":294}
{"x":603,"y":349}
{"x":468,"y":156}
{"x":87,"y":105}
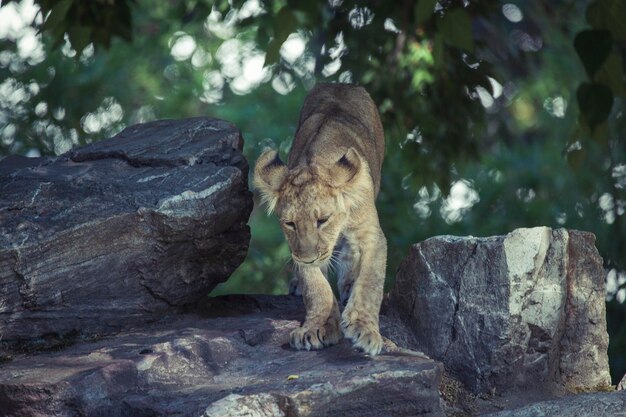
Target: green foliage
{"x":456,"y":30}
{"x":85,"y":22}
{"x":593,"y":48}
{"x":491,"y":123}
{"x":595,"y":101}
{"x":596,"y":49}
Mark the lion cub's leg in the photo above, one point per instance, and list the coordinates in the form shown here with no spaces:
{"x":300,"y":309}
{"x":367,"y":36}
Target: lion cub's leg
{"x":294,"y":282}
{"x":360,"y":317}
{"x":321,"y":324}
{"x":347,"y":259}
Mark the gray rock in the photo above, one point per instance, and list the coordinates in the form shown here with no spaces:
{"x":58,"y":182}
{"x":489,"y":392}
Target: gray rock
{"x":121,"y":231}
{"x":238,"y":363}
{"x":507,"y":312}
{"x":604,"y":404}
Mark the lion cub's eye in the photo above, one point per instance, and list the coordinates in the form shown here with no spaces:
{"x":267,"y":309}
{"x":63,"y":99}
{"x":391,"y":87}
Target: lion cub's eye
{"x":321,"y":221}
{"x":291,"y":225}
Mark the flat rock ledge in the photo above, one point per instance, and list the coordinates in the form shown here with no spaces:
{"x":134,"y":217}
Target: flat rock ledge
{"x":522,"y":312}
{"x":603,"y":404}
{"x":236,"y":364}
{"x":120,"y":231}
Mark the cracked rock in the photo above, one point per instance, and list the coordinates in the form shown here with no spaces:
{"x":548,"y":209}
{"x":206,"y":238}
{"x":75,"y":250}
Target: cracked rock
{"x":120,"y":231}
{"x":194,"y":365}
{"x":525,"y":310}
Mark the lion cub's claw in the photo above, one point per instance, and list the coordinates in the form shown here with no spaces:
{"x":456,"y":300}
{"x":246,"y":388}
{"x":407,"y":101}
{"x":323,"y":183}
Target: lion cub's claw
{"x":364,"y":336}
{"x":314,"y":338}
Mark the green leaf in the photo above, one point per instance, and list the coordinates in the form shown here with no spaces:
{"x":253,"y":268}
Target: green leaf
{"x":456,"y":28}
{"x":79,"y":36}
{"x":595,"y":102}
{"x":576,"y":158}
{"x":611,"y":74}
{"x":285,"y":23}
{"x":438,"y":50}
{"x":307,"y":8}
{"x":593,"y":48}
{"x":222,"y":6}
{"x":610,"y":15}
{"x":57,"y":14}
{"x":601,"y":133}
{"x":424,"y":10}
{"x":273,"y":52}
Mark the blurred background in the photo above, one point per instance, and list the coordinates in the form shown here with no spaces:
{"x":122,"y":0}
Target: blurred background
{"x":497,"y":114}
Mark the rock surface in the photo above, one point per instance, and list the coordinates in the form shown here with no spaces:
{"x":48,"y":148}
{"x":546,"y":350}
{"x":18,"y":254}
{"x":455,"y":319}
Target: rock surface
{"x":604,"y":404}
{"x":236,"y":364}
{"x":525,"y":310}
{"x":120,"y":231}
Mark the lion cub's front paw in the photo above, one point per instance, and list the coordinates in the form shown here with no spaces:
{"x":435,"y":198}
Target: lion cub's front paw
{"x":312,"y":337}
{"x":363,"y":333}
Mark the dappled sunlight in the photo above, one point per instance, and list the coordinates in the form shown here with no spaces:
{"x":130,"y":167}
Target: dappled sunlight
{"x":335,"y":53}
{"x":424,"y":201}
{"x":619,"y":174}
{"x":390,"y":26}
{"x":15,"y":24}
{"x":283,"y":83}
{"x":615,"y":283}
{"x":201,"y":58}
{"x":525,"y":41}
{"x":556,"y":106}
{"x":242,"y":65}
{"x":182,"y":46}
{"x":293,"y":48}
{"x":462,"y":197}
{"x":496,"y":87}
{"x":220,"y":26}
{"x":105,"y":116}
{"x":414,"y":136}
{"x":229,"y":55}
{"x":212,"y":85}
{"x":512,"y":13}
{"x":610,"y":209}
{"x":360,"y":17}
{"x":486,"y":99}
{"x":524,"y":111}
{"x":525,"y":195}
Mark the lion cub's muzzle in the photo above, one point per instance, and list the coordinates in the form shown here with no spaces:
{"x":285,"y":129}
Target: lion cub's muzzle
{"x":312,"y":259}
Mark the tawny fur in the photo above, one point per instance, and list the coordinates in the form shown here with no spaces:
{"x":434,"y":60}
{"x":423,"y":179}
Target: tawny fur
{"x":324,"y":198}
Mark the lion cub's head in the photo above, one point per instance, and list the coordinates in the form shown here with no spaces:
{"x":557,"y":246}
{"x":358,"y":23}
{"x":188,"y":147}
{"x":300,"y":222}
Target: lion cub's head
{"x":312,"y":202}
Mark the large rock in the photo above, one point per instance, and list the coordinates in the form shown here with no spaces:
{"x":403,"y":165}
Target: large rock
{"x":120,"y":231}
{"x":598,"y":404}
{"x":525,"y":310}
{"x":236,"y":364}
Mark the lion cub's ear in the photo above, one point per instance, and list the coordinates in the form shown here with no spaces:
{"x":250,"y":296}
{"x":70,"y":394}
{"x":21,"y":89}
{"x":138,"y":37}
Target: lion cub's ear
{"x":269,"y":175}
{"x":346,"y":168}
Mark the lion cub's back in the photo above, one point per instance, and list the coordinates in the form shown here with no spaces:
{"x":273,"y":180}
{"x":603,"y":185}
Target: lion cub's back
{"x":339,"y":116}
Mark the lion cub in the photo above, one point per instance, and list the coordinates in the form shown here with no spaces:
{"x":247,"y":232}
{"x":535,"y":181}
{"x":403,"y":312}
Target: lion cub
{"x":324,"y":198}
